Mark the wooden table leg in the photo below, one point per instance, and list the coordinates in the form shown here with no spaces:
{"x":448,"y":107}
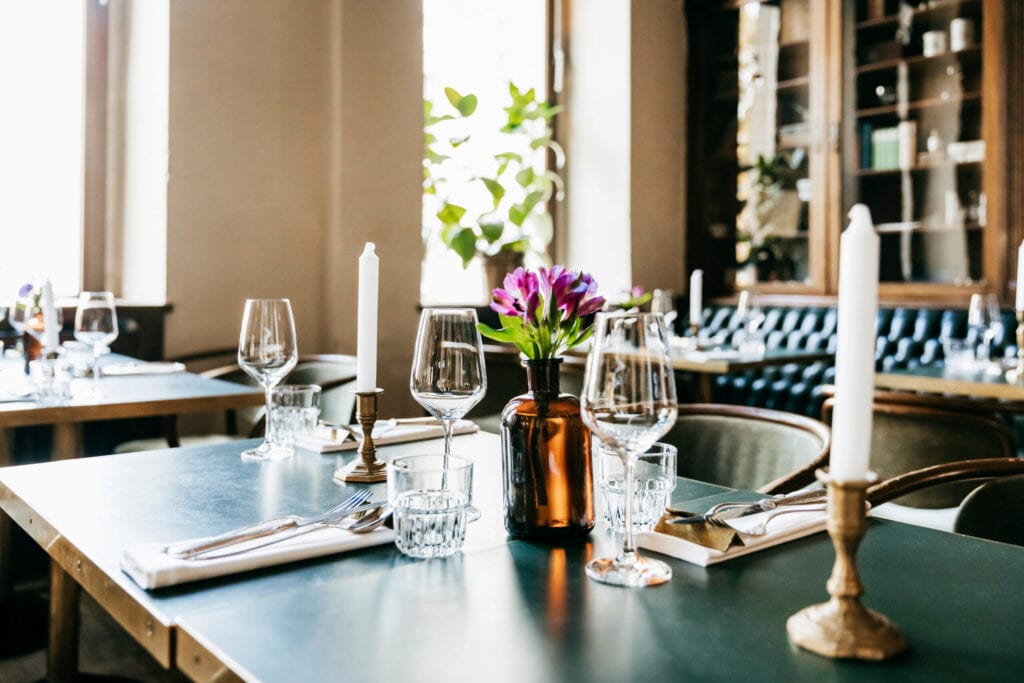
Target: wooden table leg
{"x":704,"y":382}
{"x":6,"y":458}
{"x":67,"y":441}
{"x":62,"y":655}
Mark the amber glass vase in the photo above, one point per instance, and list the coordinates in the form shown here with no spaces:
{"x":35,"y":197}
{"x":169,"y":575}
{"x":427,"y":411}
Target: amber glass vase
{"x":547,"y":480}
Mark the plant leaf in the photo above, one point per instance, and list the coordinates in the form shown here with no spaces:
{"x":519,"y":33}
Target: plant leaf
{"x":491,"y":227}
{"x":526,"y":176}
{"x":451,"y":214}
{"x":497,"y":335}
{"x":531,"y":201}
{"x":463,"y":243}
{"x":495,"y":188}
{"x":516,"y":214}
{"x":455,"y":142}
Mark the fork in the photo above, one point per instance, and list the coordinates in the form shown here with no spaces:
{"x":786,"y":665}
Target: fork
{"x":188,"y":549}
{"x":363,"y":524}
{"x":761,"y":527}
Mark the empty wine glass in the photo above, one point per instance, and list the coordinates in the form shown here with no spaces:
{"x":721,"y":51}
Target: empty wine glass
{"x":96,"y":325}
{"x":448,"y":376}
{"x":664,"y":301}
{"x":267,"y":352}
{"x":978,"y":325}
{"x":629,"y":402}
{"x":993,"y":331}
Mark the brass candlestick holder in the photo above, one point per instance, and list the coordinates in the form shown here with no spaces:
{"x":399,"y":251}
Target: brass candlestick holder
{"x":842,"y":627}
{"x":367,"y":469}
{"x":1017,"y":374}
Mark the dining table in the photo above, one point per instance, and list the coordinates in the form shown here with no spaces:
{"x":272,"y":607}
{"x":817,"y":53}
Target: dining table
{"x":502,"y":609}
{"x":131,"y":393}
{"x":940,"y":380}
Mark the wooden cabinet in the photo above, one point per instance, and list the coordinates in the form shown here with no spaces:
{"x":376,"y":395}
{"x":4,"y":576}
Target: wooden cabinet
{"x":801,"y":108}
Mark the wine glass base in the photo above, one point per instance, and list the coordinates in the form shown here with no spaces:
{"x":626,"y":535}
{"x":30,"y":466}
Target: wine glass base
{"x":268,"y":451}
{"x":629,"y":570}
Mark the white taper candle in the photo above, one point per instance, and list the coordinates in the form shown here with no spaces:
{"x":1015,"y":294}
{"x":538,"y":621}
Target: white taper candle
{"x":696,"y":292}
{"x":51,"y":328}
{"x":855,"y":348}
{"x":366,"y":330}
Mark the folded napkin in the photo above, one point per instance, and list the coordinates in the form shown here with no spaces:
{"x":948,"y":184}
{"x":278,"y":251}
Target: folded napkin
{"x":150,"y":567}
{"x":705,"y":545}
{"x":144,"y":368}
{"x":382,"y":436}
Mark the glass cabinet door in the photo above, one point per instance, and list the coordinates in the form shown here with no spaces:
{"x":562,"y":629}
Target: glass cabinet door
{"x":914,"y":140}
{"x":757,"y":176}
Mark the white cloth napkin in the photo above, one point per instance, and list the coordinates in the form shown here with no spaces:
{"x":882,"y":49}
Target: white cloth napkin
{"x":150,"y":567}
{"x":396,"y":434}
{"x":142,"y":368}
{"x":787,"y":527}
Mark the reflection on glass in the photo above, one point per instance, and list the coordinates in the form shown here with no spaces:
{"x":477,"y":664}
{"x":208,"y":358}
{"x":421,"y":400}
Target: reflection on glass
{"x":915,"y":116}
{"x":772,"y":135}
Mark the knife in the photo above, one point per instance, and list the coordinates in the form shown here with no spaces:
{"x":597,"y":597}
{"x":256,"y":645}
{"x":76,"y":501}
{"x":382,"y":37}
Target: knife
{"x":186,"y":550}
{"x":725,"y":511}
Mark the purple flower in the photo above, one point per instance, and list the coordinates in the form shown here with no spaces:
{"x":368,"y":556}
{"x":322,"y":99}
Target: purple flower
{"x":551,"y":303}
{"x":25,"y":290}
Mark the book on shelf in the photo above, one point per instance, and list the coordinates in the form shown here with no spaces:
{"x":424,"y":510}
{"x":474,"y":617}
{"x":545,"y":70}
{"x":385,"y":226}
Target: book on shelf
{"x":885,"y":148}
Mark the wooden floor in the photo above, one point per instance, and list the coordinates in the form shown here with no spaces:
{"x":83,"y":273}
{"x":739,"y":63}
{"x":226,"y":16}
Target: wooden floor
{"x":106,"y":653}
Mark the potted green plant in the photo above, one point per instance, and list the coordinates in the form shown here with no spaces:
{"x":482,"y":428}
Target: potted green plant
{"x":487,"y":192}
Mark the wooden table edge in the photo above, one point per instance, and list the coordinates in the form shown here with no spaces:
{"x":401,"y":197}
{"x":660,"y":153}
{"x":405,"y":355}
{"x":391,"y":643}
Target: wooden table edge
{"x":154,"y":635}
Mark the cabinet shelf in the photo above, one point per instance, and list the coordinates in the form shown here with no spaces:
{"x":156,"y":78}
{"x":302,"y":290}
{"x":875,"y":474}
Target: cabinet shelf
{"x":968,"y":53}
{"x":926,"y":103}
{"x":914,"y":169}
{"x":937,"y":9}
{"x":918,"y":226}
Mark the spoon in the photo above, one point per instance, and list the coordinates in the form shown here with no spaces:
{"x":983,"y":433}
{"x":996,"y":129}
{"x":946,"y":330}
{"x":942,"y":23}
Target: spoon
{"x":371,"y":521}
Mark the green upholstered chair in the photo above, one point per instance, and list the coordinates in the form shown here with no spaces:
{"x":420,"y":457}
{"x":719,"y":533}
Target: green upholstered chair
{"x":770,"y":451}
{"x":334,"y":373}
{"x":910,"y":433}
{"x":994,"y":510}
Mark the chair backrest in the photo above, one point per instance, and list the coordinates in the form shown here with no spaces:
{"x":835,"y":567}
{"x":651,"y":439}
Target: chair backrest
{"x":995,"y":511}
{"x":906,"y":437}
{"x":770,"y":451}
{"x":334,"y":373}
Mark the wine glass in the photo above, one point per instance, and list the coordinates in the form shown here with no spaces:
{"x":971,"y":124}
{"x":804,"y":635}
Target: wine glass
{"x":629,"y":402}
{"x":664,"y":301}
{"x":448,"y":376}
{"x":993,"y":330}
{"x":978,"y":323}
{"x":267,"y":352}
{"x":96,"y":325}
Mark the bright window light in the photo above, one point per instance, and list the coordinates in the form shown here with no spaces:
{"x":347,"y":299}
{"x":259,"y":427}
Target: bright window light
{"x":41,"y":143}
{"x":476,"y":47}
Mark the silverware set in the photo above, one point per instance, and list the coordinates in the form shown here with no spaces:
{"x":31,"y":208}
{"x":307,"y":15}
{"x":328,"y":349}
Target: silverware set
{"x":354,"y":514}
{"x":719,"y":515}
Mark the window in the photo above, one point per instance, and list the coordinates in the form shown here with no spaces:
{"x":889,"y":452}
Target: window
{"x":476,"y":47}
{"x":41,"y":145}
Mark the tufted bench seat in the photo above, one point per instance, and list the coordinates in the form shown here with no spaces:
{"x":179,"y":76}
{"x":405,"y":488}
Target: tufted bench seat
{"x":905,"y":338}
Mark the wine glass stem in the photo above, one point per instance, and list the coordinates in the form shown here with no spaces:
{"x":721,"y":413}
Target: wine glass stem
{"x":447,"y":425}
{"x":95,"y":370}
{"x":627,"y":540}
{"x":268,"y":432}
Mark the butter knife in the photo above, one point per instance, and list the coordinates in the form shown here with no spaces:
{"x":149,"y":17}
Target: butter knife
{"x":185,"y":550}
{"x":725,"y":511}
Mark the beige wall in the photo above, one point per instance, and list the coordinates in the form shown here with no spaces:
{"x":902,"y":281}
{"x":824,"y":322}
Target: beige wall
{"x":658,"y":154}
{"x":626,"y":118}
{"x":376,"y":174}
{"x":295,"y":137}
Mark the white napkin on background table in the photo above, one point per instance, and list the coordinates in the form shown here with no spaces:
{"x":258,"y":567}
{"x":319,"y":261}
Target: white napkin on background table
{"x":150,"y":567}
{"x":397,"y":434}
{"x":787,"y":527}
{"x":141,"y":368}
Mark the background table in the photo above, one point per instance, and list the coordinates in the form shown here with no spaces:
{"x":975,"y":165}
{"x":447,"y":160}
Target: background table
{"x":936,"y":380}
{"x":122,"y":397}
{"x":502,"y":610}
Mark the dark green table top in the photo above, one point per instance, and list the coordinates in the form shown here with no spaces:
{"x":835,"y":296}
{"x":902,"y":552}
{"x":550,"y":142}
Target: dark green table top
{"x":502,"y":610}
